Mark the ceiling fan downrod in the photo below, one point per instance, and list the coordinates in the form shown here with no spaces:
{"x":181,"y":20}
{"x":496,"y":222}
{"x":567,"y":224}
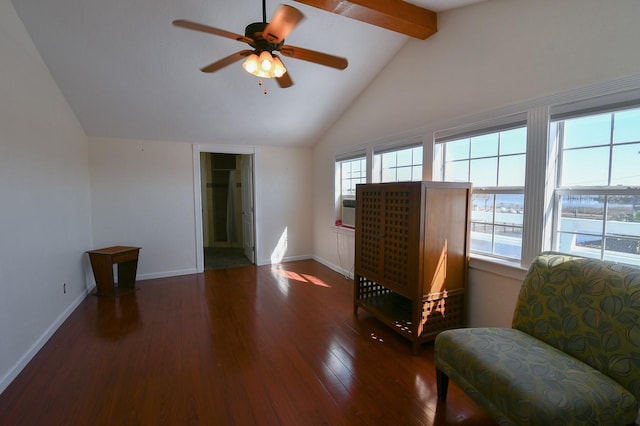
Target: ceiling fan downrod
{"x":264,"y":11}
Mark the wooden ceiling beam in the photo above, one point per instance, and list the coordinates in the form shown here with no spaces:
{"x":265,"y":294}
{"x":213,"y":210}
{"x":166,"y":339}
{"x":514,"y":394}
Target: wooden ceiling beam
{"x":394,"y":15}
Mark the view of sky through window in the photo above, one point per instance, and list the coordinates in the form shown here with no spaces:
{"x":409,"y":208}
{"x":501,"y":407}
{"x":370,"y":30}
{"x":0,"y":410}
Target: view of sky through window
{"x":495,"y":164}
{"x":598,"y":195}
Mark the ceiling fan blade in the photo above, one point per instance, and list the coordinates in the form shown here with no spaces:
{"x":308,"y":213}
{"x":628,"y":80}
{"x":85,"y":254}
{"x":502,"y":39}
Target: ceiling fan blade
{"x":315,"y":57}
{"x":183,"y":23}
{"x":283,"y":22}
{"x":226,"y":61}
{"x":285,"y":81}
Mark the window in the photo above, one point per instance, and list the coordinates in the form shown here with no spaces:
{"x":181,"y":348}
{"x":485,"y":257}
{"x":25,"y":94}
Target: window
{"x":399,"y":165}
{"x":352,"y":172}
{"x":495,"y":163}
{"x":597,"y":194}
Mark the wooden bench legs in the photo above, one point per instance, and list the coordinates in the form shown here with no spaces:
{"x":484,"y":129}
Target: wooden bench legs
{"x":442,"y":384}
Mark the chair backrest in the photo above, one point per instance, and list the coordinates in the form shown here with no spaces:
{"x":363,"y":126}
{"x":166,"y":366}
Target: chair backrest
{"x":589,"y":309}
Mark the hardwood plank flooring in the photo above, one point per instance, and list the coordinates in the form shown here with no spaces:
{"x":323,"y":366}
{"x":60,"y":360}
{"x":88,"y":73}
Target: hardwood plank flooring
{"x":243,"y":346}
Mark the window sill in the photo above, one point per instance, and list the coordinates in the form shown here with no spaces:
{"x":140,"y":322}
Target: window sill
{"x":495,"y":266}
{"x":342,"y":228}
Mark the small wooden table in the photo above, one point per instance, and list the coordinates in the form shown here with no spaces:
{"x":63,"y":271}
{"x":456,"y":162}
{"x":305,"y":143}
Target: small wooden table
{"x":102,"y":261}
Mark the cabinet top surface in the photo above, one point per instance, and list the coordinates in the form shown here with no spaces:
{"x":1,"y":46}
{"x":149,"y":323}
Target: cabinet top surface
{"x":113,"y":250}
{"x":426,"y":183}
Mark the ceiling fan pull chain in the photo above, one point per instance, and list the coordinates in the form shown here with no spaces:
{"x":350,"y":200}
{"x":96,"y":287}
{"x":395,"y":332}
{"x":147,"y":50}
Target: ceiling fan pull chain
{"x":265,"y":91}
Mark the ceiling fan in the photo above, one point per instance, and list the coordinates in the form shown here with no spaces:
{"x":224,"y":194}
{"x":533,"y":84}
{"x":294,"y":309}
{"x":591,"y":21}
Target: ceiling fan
{"x":265,"y":38}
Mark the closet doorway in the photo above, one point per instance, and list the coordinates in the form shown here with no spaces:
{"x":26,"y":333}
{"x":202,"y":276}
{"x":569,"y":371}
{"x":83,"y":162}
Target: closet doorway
{"x":227,"y":209}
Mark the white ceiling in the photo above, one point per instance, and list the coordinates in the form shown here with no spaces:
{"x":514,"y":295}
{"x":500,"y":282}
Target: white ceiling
{"x":128,"y":73}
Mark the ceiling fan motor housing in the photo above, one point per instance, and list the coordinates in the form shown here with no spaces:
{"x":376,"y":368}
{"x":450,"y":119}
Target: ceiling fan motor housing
{"x":254,"y":31}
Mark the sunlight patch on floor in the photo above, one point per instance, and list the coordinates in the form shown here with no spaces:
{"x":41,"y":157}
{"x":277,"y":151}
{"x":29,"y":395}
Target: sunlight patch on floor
{"x":302,"y":278}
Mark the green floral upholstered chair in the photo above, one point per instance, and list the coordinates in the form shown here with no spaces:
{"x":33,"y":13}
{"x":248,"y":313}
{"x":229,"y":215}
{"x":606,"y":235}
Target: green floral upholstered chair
{"x":572,"y":355}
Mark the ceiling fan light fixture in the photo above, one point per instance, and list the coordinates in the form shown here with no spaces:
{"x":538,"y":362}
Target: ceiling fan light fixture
{"x":251,"y":64}
{"x":278,"y":67}
{"x":266,"y":61}
{"x":264,"y":66}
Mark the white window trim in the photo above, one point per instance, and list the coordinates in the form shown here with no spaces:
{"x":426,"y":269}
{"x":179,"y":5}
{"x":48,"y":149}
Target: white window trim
{"x":476,"y":129}
{"x":541,"y":154}
{"x":539,"y":187}
{"x":400,"y":145}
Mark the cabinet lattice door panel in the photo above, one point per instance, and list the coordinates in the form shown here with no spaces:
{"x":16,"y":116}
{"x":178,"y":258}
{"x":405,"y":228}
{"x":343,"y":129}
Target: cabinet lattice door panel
{"x":411,"y":255}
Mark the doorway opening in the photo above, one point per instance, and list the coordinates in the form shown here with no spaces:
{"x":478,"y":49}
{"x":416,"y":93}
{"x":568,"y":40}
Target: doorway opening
{"x":227,"y":209}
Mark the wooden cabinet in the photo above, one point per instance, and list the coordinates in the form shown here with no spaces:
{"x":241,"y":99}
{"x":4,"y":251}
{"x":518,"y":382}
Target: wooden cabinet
{"x":411,"y":243}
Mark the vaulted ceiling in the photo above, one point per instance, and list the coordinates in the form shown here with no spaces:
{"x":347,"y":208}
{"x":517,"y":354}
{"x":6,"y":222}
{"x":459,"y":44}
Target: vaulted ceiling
{"x":128,"y":73}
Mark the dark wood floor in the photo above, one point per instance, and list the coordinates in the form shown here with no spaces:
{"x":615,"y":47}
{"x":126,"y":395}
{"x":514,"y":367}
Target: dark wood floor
{"x":241,"y":346}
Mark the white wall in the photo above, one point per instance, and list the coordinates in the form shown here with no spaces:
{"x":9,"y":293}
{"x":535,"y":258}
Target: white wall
{"x":285,"y":203}
{"x":45,"y":216}
{"x":484,"y":57}
{"x":142,"y":194}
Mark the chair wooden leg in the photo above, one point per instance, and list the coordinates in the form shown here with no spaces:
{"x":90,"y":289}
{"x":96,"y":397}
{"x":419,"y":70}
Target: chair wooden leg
{"x":442,"y":384}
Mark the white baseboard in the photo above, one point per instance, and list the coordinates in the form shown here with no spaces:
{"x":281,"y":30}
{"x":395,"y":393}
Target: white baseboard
{"x":263,"y":262}
{"x":40,"y":342}
{"x":166,"y":274}
{"x":338,"y":269}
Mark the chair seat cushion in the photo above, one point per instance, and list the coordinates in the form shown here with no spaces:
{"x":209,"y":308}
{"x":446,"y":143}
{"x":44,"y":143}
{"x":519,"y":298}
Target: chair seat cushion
{"x":522,"y":380}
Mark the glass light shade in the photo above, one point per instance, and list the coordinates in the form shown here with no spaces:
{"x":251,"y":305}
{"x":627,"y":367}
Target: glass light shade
{"x":278,"y":67}
{"x":264,"y":66}
{"x":266,"y":61}
{"x":251,"y":64}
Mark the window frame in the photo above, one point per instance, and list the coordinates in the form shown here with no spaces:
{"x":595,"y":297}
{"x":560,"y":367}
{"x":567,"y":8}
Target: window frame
{"x":377,"y":172}
{"x":339,"y":196}
{"x":486,"y":128}
{"x":541,"y":156}
{"x":557,"y":126}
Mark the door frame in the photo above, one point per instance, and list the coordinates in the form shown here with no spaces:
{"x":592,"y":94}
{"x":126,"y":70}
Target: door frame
{"x":197,"y":195}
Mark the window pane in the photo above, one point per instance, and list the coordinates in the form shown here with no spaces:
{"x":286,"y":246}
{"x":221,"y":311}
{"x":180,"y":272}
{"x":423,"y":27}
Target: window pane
{"x":403,"y":174}
{"x":484,"y":146}
{"x":508,"y":241}
{"x":581,"y":214}
{"x":585,"y":167}
{"x":511,"y":169}
{"x":482,"y":210}
{"x":352,"y":172}
{"x":457,"y":171}
{"x":495,"y":159}
{"x":416,"y":173}
{"x":627,"y":126}
{"x":509,"y":209}
{"x":503,"y":239}
{"x":389,"y":175}
{"x":623,"y":216}
{"x":388,"y":160}
{"x":404,"y":157}
{"x":587,"y":131}
{"x":581,"y":245}
{"x":513,"y":141}
{"x":481,"y":238}
{"x":625,"y":167}
{"x":625,"y":250}
{"x":456,"y":150}
{"x":484,"y":172}
{"x":398,"y":166}
{"x":417,"y":155}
